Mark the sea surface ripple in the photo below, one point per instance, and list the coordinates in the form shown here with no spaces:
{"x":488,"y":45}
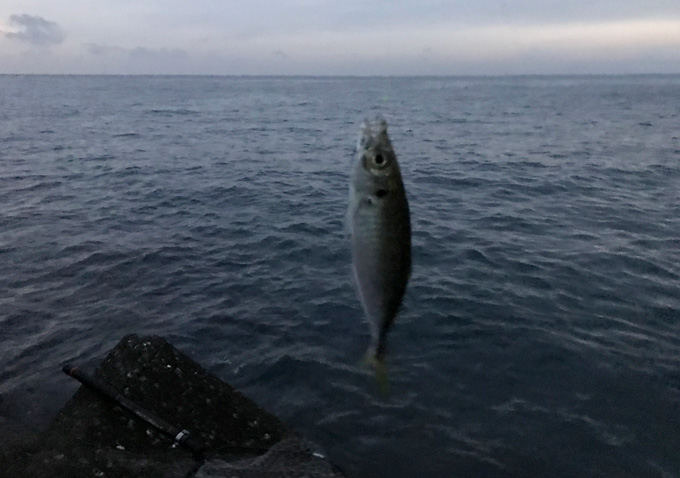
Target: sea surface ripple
{"x":540,"y":334}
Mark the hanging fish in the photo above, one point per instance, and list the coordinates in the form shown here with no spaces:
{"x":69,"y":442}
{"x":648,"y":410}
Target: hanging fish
{"x":380,"y":228}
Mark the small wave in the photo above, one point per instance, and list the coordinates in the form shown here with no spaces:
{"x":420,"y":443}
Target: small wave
{"x":173,"y":112}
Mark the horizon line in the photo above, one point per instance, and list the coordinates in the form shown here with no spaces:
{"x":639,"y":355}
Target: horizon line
{"x":283,"y":75}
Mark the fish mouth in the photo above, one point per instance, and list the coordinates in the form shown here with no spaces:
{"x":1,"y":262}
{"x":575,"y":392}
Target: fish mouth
{"x":372,"y":133}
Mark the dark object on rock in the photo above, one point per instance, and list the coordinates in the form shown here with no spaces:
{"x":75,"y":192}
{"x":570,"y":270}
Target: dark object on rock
{"x":180,"y":437}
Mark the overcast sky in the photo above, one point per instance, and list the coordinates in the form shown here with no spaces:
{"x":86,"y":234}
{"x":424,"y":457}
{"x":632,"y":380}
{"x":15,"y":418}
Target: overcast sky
{"x":336,"y":37}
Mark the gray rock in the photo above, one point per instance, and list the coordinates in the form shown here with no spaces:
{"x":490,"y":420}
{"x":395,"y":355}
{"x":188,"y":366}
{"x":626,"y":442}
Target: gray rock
{"x":93,"y":437}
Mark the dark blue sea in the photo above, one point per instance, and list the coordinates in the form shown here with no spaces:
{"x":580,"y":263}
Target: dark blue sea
{"x":540,"y":333}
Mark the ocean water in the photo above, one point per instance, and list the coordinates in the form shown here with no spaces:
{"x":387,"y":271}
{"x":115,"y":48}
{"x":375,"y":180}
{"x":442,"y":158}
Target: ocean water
{"x":540,"y":334}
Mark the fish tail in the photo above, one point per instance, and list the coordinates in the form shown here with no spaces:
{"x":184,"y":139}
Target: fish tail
{"x":381,"y":346}
{"x":376,"y":361}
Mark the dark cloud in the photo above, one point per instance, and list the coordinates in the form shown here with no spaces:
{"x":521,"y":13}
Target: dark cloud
{"x":138,"y":54}
{"x":104,"y":50}
{"x":36,"y":30}
{"x":162,"y":54}
{"x":139,"y":59}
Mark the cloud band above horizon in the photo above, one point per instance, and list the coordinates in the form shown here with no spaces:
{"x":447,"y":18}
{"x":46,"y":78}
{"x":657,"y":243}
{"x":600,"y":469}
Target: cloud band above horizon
{"x":344,"y":40}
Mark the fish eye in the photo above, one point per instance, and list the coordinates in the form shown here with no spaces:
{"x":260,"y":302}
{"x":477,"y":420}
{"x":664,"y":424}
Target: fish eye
{"x":376,"y":162}
{"x":380,"y":161}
